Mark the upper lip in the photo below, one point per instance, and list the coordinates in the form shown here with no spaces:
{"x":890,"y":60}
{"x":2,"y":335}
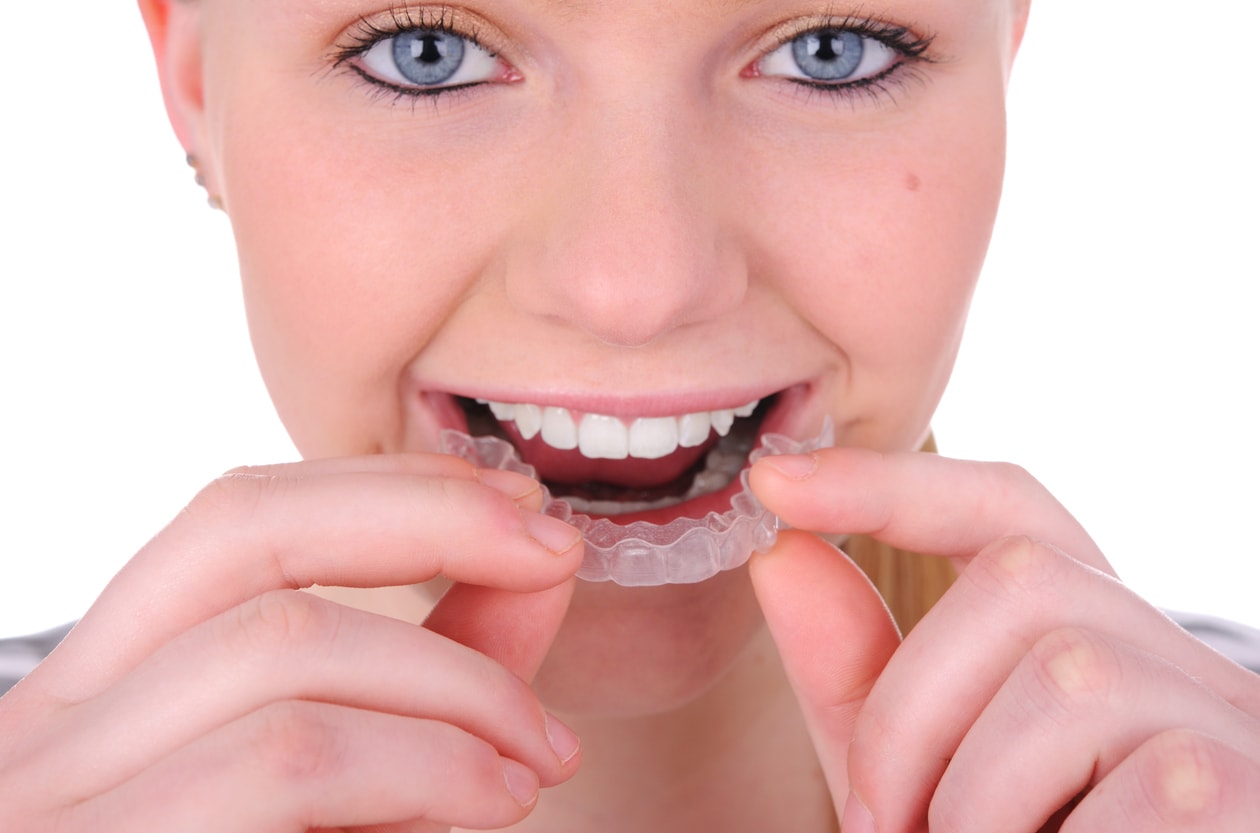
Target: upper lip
{"x":792,"y":408}
{"x":628,"y":407}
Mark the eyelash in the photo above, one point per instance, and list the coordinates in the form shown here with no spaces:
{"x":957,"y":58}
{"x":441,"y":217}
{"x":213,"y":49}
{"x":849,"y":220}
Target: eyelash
{"x":912,"y":48}
{"x":367,"y":33}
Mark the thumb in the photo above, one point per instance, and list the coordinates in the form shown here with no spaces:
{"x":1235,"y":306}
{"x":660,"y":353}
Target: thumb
{"x":834,"y":635}
{"x":514,"y":629}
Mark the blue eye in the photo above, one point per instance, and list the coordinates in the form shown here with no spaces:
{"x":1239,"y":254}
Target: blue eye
{"x":830,"y":57}
{"x":429,"y":59}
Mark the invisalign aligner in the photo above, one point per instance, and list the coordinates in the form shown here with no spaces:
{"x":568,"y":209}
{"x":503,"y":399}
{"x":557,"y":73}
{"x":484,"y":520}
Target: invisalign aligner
{"x":644,"y":554}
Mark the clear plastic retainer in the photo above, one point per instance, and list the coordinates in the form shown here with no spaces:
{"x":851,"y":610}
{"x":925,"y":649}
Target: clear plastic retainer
{"x":644,"y":554}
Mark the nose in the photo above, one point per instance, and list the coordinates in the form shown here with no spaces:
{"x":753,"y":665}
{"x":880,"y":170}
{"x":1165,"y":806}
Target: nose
{"x":625,"y":237}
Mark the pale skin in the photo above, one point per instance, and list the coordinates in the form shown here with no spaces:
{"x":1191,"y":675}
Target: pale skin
{"x":767,"y":237}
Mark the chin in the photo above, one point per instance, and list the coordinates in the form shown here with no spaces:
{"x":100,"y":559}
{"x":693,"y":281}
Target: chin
{"x":628,"y":652}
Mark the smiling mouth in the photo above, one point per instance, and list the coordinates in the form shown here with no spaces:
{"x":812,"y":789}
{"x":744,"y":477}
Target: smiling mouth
{"x":680,"y":513}
{"x":607,"y":466}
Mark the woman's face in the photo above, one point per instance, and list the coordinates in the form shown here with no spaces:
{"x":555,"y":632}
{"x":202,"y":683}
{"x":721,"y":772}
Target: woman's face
{"x":631,"y":209}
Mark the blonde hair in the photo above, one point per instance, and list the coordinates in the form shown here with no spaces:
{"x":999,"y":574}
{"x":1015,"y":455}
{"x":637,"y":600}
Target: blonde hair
{"x":909,"y":582}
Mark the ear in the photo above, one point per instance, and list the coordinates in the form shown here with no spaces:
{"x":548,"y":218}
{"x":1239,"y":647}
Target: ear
{"x":1019,"y":22}
{"x":175,"y":33}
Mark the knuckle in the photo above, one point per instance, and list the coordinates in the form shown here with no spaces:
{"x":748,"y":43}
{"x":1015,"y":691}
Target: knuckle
{"x":1182,"y":776}
{"x":874,"y":732}
{"x":1016,"y":487}
{"x":296,"y":742}
{"x":452,"y":496}
{"x":1005,"y":486}
{"x":511,"y":695}
{"x":1012,"y":474}
{"x":467,"y":768}
{"x":1074,"y":669}
{"x":498,"y":516}
{"x":1017,"y":570}
{"x":949,"y":813}
{"x":233,"y":495}
{"x":484,"y":763}
{"x":456,"y":748}
{"x":283,"y":622}
{"x":243,"y":470}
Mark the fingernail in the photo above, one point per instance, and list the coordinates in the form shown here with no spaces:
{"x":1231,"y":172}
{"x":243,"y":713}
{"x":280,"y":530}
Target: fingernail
{"x":521,"y":782}
{"x":564,"y":741}
{"x":795,"y":466}
{"x":516,"y":486}
{"x":552,"y":533}
{"x":857,"y":819}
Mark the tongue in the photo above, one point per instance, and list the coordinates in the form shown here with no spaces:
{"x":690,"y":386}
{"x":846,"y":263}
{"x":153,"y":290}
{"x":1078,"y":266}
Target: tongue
{"x":570,"y":467}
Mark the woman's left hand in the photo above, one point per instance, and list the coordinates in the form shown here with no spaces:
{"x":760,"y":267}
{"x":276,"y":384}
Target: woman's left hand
{"x":1039,"y":694}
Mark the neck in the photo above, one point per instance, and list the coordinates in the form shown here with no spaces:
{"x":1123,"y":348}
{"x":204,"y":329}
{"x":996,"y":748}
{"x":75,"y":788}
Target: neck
{"x":736,"y":759}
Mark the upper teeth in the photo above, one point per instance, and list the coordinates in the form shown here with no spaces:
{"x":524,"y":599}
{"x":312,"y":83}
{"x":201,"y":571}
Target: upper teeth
{"x":610,"y":438}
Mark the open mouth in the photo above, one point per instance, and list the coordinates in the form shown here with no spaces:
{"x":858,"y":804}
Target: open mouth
{"x":659,"y":500}
{"x":610,"y":467}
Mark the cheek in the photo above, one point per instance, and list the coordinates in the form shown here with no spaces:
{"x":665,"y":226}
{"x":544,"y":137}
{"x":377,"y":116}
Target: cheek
{"x":352,"y":257}
{"x":878,"y":247}
{"x":905,"y":282}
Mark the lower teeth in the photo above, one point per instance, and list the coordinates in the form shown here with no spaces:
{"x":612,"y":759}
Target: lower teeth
{"x":642,"y":553}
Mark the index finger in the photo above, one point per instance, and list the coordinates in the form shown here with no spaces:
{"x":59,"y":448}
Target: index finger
{"x":918,"y":502}
{"x":370,"y":525}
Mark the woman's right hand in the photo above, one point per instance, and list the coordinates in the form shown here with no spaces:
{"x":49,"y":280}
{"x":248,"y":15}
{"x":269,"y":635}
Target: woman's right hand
{"x":205,"y":691}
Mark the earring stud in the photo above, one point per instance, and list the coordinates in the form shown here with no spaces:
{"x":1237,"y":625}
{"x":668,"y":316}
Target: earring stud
{"x":213,"y":200}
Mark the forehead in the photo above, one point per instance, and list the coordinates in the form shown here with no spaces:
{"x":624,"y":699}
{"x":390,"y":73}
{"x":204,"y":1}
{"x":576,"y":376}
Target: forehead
{"x":662,"y":8}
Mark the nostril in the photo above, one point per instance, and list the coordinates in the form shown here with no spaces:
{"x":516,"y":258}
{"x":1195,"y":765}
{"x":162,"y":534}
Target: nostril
{"x":625,"y":269}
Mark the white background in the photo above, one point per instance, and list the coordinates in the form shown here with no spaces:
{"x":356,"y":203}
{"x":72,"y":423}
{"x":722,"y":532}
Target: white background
{"x":1111,"y":351}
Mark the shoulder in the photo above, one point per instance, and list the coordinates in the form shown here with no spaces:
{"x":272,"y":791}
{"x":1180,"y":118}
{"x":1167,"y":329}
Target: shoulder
{"x":19,"y":655}
{"x":1236,"y":641}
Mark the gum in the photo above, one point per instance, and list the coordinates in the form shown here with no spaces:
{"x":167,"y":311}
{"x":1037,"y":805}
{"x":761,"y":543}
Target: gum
{"x":644,"y":554}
